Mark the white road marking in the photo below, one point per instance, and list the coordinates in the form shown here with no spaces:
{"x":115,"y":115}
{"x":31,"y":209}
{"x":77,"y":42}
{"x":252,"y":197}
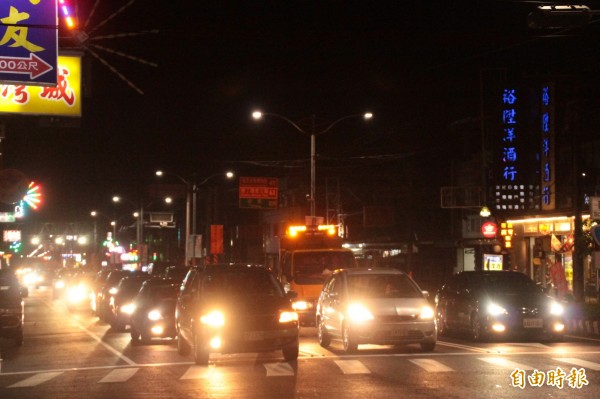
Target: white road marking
{"x":504,"y":363}
{"x":198,"y":372}
{"x":579,"y":362}
{"x":352,"y":367}
{"x":431,"y":365}
{"x":97,"y":338}
{"x":278,"y":369}
{"x":120,"y":375}
{"x":35,"y":380}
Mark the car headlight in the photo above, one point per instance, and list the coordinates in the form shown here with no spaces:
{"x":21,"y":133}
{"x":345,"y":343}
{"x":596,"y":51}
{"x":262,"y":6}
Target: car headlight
{"x":113,"y":291}
{"x":60,"y":284}
{"x":213,"y":319}
{"x":300,"y":305}
{"x":154,"y":315}
{"x":288,"y":317}
{"x":495,"y":310}
{"x":427,"y":313}
{"x":359,"y":313}
{"x":128,"y":308}
{"x":76,"y":294}
{"x":556,"y":309}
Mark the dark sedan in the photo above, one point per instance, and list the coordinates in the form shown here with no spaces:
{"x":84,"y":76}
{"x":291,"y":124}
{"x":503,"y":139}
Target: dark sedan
{"x":233,"y":309}
{"x":153,"y":313}
{"x":497,"y":304}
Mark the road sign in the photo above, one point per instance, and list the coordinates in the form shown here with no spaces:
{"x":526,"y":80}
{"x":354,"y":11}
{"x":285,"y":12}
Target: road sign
{"x":259,"y":192}
{"x":29,"y":42}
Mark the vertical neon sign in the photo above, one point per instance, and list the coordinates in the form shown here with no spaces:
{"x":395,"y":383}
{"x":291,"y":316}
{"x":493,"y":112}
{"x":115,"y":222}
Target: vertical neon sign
{"x":547,"y":148}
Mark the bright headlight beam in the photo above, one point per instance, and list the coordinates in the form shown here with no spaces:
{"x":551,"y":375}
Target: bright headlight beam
{"x":213,"y":319}
{"x":359,"y":313}
{"x":495,"y":310}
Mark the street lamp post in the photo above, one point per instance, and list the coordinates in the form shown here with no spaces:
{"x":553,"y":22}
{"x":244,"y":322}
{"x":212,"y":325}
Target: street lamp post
{"x":312,"y":133}
{"x":139,"y":215}
{"x":190,"y":206}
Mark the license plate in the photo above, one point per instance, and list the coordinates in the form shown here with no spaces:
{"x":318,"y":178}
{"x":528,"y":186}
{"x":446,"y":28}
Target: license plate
{"x":533,"y":323}
{"x":254,"y":335}
{"x":398,"y":333}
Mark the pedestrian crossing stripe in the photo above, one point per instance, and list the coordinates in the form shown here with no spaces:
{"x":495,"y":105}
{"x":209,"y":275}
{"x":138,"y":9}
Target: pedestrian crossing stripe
{"x":352,"y":367}
{"x":198,"y":372}
{"x":36,"y":379}
{"x":279,"y":369}
{"x":431,"y":365}
{"x":120,"y":375}
{"x":283,"y":369}
{"x":579,"y":362}
{"x":505,"y":363}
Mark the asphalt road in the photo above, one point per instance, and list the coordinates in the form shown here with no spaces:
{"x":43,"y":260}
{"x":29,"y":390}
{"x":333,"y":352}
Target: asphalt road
{"x":73,"y":355}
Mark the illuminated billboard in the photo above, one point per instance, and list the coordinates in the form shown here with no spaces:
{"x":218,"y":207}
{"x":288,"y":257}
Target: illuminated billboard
{"x":64,"y":99}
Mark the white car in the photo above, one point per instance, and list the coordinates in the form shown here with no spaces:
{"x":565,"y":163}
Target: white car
{"x":374,"y":306}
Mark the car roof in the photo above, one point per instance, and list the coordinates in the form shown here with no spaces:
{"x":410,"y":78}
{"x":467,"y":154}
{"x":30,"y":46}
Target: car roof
{"x":228,"y":267}
{"x":359,"y":271}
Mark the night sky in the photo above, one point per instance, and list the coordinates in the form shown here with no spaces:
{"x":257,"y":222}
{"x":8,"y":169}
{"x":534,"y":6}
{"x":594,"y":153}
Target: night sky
{"x":415,"y":66}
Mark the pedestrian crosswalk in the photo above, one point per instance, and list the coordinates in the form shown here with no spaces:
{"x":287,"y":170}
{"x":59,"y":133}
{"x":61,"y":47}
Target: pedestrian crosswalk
{"x":343,"y":366}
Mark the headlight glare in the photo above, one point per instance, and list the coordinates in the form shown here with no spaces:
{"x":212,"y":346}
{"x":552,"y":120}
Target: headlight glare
{"x":427,"y":313}
{"x":213,"y":319}
{"x":154,"y":315}
{"x":556,"y":309}
{"x":495,"y":310}
{"x":359,"y":313}
{"x":128,"y":308}
{"x":300,"y":305}
{"x":288,"y":317}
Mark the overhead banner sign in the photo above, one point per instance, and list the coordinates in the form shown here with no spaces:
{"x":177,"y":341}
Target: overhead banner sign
{"x":29,"y":42}
{"x":259,"y":192}
{"x":63,"y":99}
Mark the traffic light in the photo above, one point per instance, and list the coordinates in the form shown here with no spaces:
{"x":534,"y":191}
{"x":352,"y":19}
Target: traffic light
{"x":559,"y":17}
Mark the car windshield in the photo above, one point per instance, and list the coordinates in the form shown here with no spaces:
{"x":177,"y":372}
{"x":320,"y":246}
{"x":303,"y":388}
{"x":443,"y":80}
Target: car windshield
{"x":163,"y":292}
{"x":315,"y":266}
{"x":506,"y":283}
{"x":240,"y":284}
{"x":382,"y":286}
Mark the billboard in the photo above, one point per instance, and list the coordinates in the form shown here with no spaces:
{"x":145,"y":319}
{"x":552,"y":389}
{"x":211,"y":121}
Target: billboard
{"x":259,"y":192}
{"x":29,"y":42}
{"x":63,"y":99}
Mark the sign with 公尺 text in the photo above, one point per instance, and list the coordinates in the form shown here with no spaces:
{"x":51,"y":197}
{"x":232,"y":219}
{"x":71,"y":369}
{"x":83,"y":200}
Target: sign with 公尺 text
{"x":63,"y":99}
{"x":29,"y":42}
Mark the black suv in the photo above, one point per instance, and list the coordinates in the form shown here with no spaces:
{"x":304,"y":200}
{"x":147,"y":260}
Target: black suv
{"x":234,"y":308}
{"x":11,"y":307}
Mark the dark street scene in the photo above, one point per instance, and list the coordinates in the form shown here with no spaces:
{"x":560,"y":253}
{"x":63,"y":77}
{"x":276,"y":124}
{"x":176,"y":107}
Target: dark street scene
{"x":299,"y":199}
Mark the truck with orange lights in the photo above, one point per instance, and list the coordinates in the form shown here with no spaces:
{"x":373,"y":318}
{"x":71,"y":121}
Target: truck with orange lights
{"x":308,"y":255}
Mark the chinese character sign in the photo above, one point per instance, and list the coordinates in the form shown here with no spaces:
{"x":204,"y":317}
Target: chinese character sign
{"x":29,"y":42}
{"x":63,"y":99}
{"x":547,"y":148}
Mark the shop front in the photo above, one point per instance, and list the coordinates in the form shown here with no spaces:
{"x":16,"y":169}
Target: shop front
{"x":543,"y":249}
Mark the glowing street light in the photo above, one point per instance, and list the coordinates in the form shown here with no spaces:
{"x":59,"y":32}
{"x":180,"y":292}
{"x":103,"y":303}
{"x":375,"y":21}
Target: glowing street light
{"x":312,"y":133}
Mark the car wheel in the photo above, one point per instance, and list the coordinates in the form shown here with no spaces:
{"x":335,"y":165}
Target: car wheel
{"x":323,"y":335}
{"x":477,"y":330}
{"x":135,"y":335}
{"x":349,"y":344}
{"x":183,"y":348}
{"x":290,"y":353}
{"x":201,"y":354}
{"x":146,"y":338}
{"x":427,"y":346}
{"x":441,"y":325}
